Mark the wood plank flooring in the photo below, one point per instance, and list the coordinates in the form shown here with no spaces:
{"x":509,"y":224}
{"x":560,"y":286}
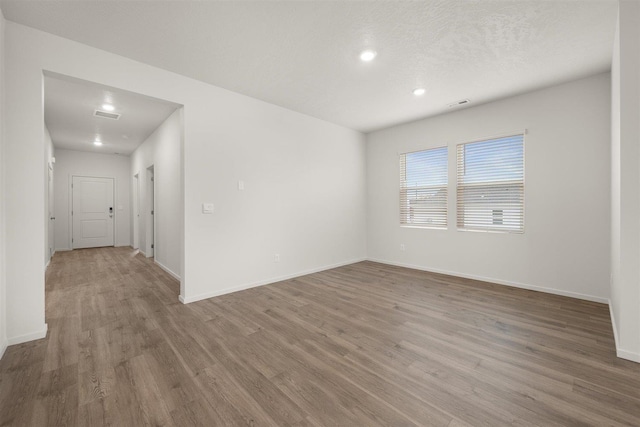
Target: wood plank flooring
{"x":361,"y":345}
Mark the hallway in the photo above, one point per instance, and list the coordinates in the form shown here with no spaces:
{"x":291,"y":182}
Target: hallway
{"x":100,"y":306}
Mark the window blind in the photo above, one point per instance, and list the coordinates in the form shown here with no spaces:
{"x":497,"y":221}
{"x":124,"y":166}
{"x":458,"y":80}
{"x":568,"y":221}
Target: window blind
{"x":423,"y":188}
{"x":490,"y":185}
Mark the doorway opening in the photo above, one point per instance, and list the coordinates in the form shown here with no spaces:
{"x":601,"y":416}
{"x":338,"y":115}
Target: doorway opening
{"x":103,"y":194}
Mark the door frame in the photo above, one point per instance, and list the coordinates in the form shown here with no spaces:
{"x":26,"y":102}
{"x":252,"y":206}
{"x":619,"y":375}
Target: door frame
{"x":150,"y":205}
{"x":136,"y":211}
{"x":115,"y":205}
{"x":51,"y":230}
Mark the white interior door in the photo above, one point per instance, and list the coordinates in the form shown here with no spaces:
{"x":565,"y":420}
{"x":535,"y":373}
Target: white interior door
{"x":92,"y":212}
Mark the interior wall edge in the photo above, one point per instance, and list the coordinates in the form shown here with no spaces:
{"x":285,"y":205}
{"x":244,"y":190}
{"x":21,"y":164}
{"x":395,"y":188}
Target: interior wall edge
{"x":620,"y":352}
{"x":613,"y":324}
{"x":3,"y":306}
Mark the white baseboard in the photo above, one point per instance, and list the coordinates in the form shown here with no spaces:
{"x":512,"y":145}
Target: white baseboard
{"x":49,"y":261}
{"x":623,"y":354}
{"x":3,"y":348}
{"x":628,"y":355}
{"x":142,"y":252}
{"x":165,"y":268}
{"x":187,"y":300}
{"x":498,"y":281}
{"x":29,"y":337}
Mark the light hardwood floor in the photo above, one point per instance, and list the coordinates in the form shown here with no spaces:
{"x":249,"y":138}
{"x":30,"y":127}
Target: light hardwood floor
{"x":361,"y":345}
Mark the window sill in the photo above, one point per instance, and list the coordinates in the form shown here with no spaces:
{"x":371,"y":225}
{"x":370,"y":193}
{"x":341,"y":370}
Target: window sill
{"x":474,"y":230}
{"x":423,"y":227}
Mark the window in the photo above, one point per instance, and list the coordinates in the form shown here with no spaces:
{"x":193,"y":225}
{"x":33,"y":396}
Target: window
{"x":423,"y":188}
{"x":490,"y":185}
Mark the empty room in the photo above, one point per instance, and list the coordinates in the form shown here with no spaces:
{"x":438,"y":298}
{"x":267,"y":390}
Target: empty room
{"x":320,"y":213}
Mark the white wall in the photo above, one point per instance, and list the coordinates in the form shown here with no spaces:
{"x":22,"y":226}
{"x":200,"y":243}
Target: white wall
{"x":625,"y":182}
{"x":305,"y":178}
{"x":83,"y":163}
{"x":3,"y":295}
{"x":565,"y":246}
{"x":162,"y":150}
{"x":49,"y":204}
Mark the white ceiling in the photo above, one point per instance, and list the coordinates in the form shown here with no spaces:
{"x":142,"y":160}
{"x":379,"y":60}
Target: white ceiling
{"x":69,"y":105}
{"x":304,"y":55}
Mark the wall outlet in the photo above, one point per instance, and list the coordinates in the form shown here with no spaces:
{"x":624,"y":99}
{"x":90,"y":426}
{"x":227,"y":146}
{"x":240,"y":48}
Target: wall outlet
{"x":240,"y":185}
{"x":402,"y":248}
{"x":276,"y":258}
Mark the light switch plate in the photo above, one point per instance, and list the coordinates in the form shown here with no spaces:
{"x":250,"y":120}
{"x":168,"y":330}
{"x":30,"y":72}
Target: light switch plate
{"x":207,"y":208}
{"x":240,"y":185}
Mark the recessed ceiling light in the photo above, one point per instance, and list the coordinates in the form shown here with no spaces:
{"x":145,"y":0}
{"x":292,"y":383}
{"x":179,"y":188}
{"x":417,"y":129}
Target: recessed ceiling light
{"x":368,"y":55}
{"x":97,"y":142}
{"x":419,"y":91}
{"x":108,"y":107}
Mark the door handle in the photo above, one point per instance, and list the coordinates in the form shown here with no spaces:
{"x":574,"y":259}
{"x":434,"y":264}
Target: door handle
{"x":53,"y":217}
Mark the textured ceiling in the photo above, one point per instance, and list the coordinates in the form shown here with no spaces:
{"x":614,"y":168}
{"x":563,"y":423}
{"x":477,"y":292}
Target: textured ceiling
{"x":304,"y":55}
{"x":69,"y":105}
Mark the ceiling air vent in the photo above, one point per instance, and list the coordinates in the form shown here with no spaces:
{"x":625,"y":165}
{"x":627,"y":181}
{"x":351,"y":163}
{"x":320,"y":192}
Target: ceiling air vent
{"x":459,"y":103}
{"x":106,"y":115}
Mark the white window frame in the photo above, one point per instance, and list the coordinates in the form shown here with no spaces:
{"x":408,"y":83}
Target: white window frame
{"x":405,"y":189}
{"x":461,"y":187}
